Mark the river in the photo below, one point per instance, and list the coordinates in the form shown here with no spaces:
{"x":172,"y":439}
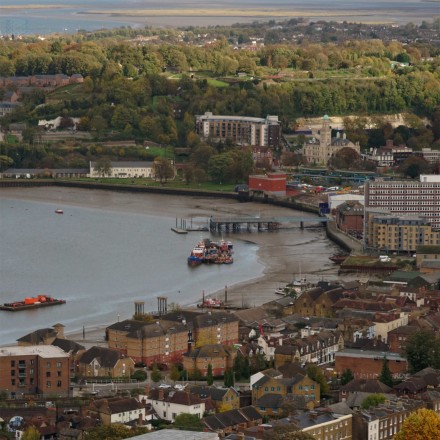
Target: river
{"x":110,"y":249}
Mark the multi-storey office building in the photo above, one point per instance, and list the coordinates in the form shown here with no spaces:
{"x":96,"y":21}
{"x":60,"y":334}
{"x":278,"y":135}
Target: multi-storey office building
{"x":406,"y":197}
{"x":241,"y":130}
{"x":35,"y":369}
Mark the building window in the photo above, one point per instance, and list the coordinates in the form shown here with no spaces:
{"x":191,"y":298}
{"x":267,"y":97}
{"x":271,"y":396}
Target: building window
{"x":12,"y":364}
{"x":59,"y":383}
{"x":47,"y":364}
{"x":59,"y":364}
{"x":48,"y":384}
{"x":47,"y":373}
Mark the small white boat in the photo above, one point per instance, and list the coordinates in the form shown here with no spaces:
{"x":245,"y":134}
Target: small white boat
{"x":59,"y":211}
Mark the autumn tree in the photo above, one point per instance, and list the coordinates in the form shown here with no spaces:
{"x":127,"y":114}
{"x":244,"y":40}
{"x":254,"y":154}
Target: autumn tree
{"x":114,"y":432}
{"x":103,"y":167}
{"x":174,"y":373}
{"x":423,"y":424}
{"x":31,"y":433}
{"x":163,"y":169}
{"x":414,"y":166}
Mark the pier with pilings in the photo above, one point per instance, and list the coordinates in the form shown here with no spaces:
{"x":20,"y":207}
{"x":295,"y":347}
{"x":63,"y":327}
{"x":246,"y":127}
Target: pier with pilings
{"x":240,"y":224}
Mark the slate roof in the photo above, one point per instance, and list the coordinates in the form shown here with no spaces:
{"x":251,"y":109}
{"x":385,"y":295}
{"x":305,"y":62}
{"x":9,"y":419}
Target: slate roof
{"x":117,"y":405}
{"x":270,"y":400}
{"x":106,"y":357}
{"x":221,"y":421}
{"x":208,"y":351}
{"x":38,"y":336}
{"x":67,"y":345}
{"x":291,"y":369}
{"x":367,"y":386}
{"x":214,"y":393}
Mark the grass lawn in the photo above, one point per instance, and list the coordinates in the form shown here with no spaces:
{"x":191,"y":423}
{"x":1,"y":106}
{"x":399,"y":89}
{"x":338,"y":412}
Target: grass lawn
{"x":67,"y":92}
{"x":217,"y":83}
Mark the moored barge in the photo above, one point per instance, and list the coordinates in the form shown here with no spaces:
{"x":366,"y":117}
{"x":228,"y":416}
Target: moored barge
{"x":32,"y":303}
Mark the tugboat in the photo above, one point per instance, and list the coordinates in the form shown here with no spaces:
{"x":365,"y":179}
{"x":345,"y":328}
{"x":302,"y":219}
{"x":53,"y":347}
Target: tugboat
{"x":32,"y":303}
{"x":209,"y":252}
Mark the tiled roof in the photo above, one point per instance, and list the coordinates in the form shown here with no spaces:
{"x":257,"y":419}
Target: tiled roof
{"x":106,"y":357}
{"x":38,"y":336}
{"x":67,"y":345}
{"x":367,"y":386}
{"x":218,"y":422}
{"x":209,"y":351}
{"x":270,"y":400}
{"x":214,"y":393}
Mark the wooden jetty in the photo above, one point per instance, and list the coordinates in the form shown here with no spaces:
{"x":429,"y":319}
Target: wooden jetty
{"x":236,"y":224}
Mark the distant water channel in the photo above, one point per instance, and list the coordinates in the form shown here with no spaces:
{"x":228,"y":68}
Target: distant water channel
{"x":100,"y":263}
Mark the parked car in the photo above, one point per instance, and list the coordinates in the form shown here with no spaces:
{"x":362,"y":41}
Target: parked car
{"x":179,"y":387}
{"x":164,"y":386}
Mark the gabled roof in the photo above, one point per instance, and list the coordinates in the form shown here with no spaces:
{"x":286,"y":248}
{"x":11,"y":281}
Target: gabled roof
{"x":216,"y":394}
{"x":106,"y":357}
{"x":67,"y":345}
{"x":209,"y":351}
{"x":117,"y":405}
{"x":38,"y":336}
{"x":366,"y":385}
{"x":270,"y":400}
{"x":221,"y":421}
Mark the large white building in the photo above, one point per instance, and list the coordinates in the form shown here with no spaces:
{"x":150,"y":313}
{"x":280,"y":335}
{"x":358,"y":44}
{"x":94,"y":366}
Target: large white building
{"x":319,"y":151}
{"x":241,"y":130}
{"x":124,"y":170}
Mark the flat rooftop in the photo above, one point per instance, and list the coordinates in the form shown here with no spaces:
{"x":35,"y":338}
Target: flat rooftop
{"x":44,"y":351}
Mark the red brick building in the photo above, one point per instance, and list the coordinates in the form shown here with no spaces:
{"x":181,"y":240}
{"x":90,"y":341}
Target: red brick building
{"x":366,"y":364}
{"x":271,"y":183}
{"x":350,"y":217}
{"x":36,"y":369}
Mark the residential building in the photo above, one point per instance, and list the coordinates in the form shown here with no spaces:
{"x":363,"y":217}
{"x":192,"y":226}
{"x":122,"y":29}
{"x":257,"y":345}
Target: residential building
{"x":169,"y":404}
{"x":7,"y":108}
{"x":389,"y":155}
{"x":367,"y":364}
{"x":241,"y":130}
{"x":430,"y":155}
{"x":219,"y":356}
{"x":105,"y":362}
{"x":320,"y":151}
{"x":319,"y":349}
{"x":383,"y":324}
{"x":34,"y":369}
{"x":174,"y":434}
{"x":124,"y":410}
{"x":397,"y":338}
{"x":233,"y":421}
{"x":157,"y":342}
{"x":223,"y":398}
{"x":270,"y":393}
{"x":400,"y":233}
{"x":350,"y":217}
{"x":371,"y":386}
{"x":427,"y":253}
{"x":123,"y":170}
{"x":403,"y":197}
{"x":384,"y":421}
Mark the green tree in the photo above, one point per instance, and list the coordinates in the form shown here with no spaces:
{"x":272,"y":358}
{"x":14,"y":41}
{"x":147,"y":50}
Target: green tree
{"x":422,"y":349}
{"x":174,"y":373}
{"x":156,"y":375}
{"x":189,"y":422}
{"x":373,"y":400}
{"x":209,"y":376}
{"x":414,"y":166}
{"x":315,"y":373}
{"x":229,"y":378}
{"x":346,"y":376}
{"x":219,"y":166}
{"x":385,"y":376}
{"x":5,"y":162}
{"x":423,"y":424}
